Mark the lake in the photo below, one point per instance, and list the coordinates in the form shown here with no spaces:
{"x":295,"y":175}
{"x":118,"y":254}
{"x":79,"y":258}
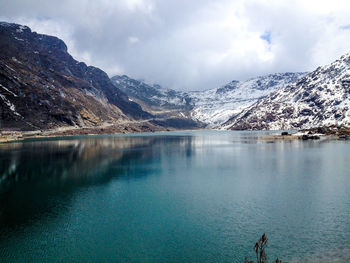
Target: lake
{"x":191,"y":196}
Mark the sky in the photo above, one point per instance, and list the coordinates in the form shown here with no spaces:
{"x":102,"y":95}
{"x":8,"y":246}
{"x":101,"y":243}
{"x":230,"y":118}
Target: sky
{"x":192,"y":44}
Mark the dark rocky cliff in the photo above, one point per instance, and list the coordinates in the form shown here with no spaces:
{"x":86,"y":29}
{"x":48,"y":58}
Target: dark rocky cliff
{"x":43,"y":87}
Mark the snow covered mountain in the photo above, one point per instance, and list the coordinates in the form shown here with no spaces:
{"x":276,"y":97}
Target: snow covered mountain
{"x":216,"y":106}
{"x":212,"y":107}
{"x":320,"y":98}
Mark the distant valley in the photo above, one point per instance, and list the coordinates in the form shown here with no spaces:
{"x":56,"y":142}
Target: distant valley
{"x":212,"y":108}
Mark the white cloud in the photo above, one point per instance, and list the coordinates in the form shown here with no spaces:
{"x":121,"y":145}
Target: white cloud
{"x":193,"y":44}
{"x":133,"y":40}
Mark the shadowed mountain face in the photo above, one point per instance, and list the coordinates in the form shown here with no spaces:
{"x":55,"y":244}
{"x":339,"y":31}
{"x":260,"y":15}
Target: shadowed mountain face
{"x":42,"y":86}
{"x":171,"y":108}
{"x":153,"y":96}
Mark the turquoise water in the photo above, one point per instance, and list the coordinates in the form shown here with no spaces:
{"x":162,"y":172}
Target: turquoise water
{"x":203,"y":196}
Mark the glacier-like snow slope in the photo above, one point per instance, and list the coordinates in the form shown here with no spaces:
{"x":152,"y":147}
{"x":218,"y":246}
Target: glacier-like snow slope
{"x":216,"y":106}
{"x":320,"y":98}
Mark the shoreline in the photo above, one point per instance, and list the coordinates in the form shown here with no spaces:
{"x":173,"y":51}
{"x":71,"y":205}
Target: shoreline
{"x":319,"y":133}
{"x":20,"y":136}
{"x":293,"y":137}
{"x":8,"y":136}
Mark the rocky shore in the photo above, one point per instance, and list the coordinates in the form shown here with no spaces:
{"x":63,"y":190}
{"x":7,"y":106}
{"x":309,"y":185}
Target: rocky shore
{"x":329,"y":132}
{"x":15,"y":135}
{"x":326,"y":132}
{"x":339,"y":132}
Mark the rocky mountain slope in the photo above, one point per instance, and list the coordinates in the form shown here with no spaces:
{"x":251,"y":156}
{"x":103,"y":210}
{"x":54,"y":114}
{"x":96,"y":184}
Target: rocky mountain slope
{"x":171,"y":106}
{"x":211,"y":107}
{"x":154,"y":98}
{"x":320,"y":98}
{"x":43,"y":87}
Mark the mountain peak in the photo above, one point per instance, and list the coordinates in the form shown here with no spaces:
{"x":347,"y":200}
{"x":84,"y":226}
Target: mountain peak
{"x":24,"y":34}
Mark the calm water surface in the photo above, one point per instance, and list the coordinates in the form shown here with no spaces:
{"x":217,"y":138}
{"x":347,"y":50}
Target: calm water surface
{"x":202,"y":196}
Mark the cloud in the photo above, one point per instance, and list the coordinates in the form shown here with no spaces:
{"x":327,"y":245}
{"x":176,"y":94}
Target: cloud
{"x":192,"y":45}
{"x":346,"y":27}
{"x":133,"y":40}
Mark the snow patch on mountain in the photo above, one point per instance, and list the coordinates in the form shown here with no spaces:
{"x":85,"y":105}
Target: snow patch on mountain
{"x":9,"y":104}
{"x":216,"y":106}
{"x":321,"y":98}
{"x":9,"y":91}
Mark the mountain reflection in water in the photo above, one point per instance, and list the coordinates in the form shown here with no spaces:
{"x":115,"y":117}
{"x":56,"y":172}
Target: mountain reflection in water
{"x":34,"y":171}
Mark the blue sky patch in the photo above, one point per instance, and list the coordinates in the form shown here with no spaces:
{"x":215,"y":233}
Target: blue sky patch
{"x":266,"y":36}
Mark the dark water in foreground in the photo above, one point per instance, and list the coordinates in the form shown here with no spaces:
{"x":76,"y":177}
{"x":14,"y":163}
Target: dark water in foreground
{"x":174,"y":197}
